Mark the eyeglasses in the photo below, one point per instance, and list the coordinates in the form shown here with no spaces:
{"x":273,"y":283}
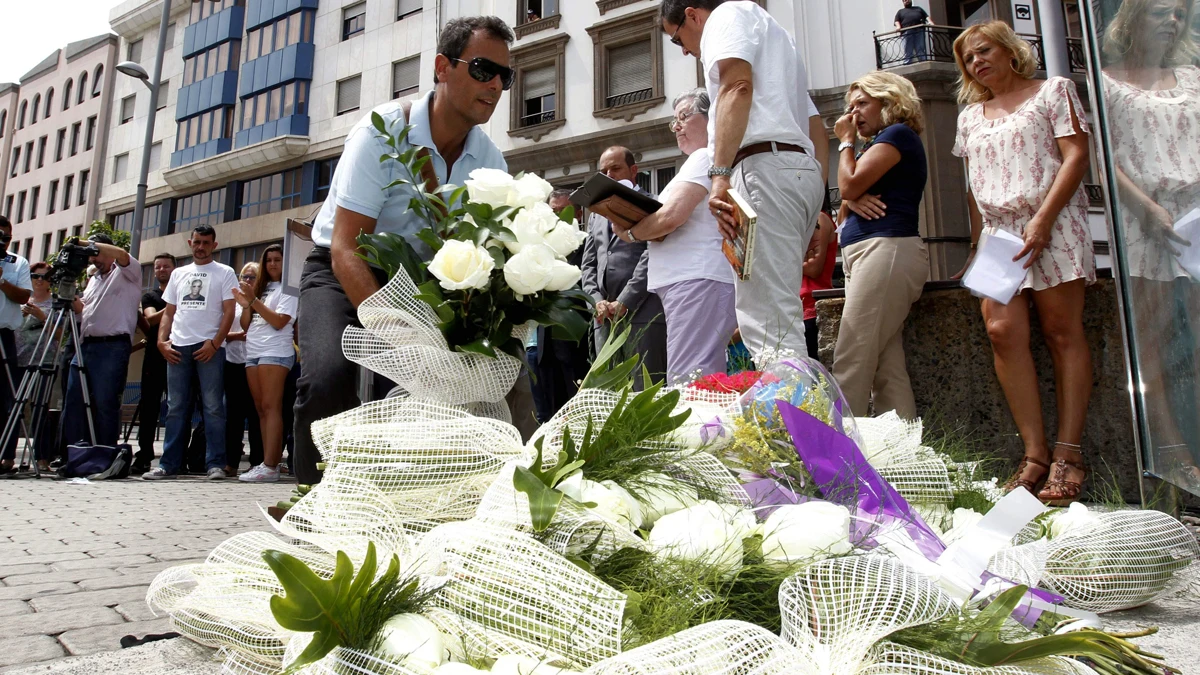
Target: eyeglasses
{"x":677,"y":123}
{"x":249,"y":277}
{"x":675,"y":40}
{"x":485,"y":70}
{"x":39,"y":276}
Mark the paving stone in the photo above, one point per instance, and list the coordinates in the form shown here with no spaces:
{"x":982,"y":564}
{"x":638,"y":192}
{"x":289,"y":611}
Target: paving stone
{"x":114,"y":562}
{"x":136,"y":610}
{"x":49,"y":558}
{"x":105,"y":598}
{"x":37,"y":590}
{"x":108,"y":638}
{"x":30,"y":649}
{"x":197,"y":556}
{"x":15,"y":570}
{"x":14,"y":607}
{"x":53,"y":623}
{"x":66,"y":575}
{"x":118,"y":581}
{"x":175,"y":555}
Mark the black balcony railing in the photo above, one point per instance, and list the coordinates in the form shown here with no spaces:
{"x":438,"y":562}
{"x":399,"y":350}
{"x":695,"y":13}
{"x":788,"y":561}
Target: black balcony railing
{"x":936,"y":43}
{"x":537,"y":118}
{"x":631,"y":97}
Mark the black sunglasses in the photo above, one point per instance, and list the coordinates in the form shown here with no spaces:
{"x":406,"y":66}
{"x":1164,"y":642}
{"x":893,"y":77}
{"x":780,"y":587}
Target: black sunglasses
{"x":485,"y":70}
{"x":39,"y":276}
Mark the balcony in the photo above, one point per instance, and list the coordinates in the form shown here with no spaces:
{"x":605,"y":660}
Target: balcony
{"x":936,"y":43}
{"x":627,"y":98}
{"x":537,"y":118}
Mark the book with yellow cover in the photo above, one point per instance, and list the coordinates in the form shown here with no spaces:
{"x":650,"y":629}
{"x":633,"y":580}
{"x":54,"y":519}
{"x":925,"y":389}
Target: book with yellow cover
{"x":739,"y":252}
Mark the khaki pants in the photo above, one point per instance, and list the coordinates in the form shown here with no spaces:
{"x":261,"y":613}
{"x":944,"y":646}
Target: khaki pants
{"x":884,"y":277}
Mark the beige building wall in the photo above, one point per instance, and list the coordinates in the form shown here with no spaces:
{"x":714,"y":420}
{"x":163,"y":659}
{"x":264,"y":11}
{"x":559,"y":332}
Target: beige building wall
{"x":10,"y":93}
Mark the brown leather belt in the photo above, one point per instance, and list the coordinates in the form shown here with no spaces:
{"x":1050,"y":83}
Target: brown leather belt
{"x":765,"y":146}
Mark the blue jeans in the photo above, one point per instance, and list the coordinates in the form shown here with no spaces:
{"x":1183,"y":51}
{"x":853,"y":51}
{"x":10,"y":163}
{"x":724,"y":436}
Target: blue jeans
{"x":211,"y":377}
{"x":106,"y":364}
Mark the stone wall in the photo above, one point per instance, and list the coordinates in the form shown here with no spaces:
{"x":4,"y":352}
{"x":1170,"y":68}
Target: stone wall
{"x":950,"y":363}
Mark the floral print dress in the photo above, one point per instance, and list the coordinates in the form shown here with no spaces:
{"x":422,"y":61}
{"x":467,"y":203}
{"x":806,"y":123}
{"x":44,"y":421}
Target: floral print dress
{"x":1013,"y":163}
{"x":1156,"y":140}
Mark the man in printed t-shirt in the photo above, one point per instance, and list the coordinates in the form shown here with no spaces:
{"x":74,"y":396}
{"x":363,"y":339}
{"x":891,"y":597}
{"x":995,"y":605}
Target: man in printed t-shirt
{"x":198,"y":316}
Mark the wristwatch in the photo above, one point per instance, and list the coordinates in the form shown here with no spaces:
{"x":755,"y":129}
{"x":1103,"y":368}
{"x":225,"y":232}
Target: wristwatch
{"x":720,"y":171}
{"x":845,"y":145}
{"x":632,"y":238}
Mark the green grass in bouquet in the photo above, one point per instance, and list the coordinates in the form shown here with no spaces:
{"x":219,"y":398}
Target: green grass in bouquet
{"x":498,"y":254}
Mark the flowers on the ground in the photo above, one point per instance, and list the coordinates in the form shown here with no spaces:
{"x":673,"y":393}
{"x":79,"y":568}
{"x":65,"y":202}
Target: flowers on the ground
{"x":708,"y":532}
{"x":462,"y":264}
{"x":661,"y":495}
{"x":722,"y":383}
{"x":520,"y":665}
{"x":1074,"y":518}
{"x":414,"y":640}
{"x":961,"y":522}
{"x":808,"y":531}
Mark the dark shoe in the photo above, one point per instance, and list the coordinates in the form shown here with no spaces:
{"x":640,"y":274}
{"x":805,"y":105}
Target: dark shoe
{"x":1060,"y":491}
{"x":1030,"y":484}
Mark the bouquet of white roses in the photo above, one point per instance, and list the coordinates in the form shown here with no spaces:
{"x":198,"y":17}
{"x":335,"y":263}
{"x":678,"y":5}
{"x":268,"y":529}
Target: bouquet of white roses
{"x":499,"y":255}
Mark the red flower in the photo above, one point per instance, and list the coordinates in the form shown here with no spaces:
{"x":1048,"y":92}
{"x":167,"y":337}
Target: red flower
{"x":722,"y":383}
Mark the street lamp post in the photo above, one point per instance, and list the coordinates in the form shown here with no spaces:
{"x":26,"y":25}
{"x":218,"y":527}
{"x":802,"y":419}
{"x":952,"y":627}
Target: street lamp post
{"x":134,"y":70}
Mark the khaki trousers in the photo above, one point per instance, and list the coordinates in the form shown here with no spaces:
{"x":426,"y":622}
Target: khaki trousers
{"x":884,"y":277}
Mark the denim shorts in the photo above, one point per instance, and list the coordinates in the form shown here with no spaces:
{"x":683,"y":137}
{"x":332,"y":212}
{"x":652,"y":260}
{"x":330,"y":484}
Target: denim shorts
{"x":285,"y":361}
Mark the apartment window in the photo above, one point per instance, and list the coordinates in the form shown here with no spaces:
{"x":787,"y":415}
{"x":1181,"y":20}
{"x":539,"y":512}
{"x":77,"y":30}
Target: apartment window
{"x":123,"y":221}
{"x":537,"y":97}
{"x":60,"y":144}
{"x":34,"y":197}
{"x":28,"y":157}
{"x":21,"y":205}
{"x":272,"y":37}
{"x":152,"y":224}
{"x":272,"y":104}
{"x":83,"y":186}
{"x":628,"y":59}
{"x":60,"y":239}
{"x":75,"y":131}
{"x":164,"y":88}
{"x":206,"y":208}
{"x":536,"y":102}
{"x":405,"y":76}
{"x":97,"y":80}
{"x":21,"y":112}
{"x":120,"y":167}
{"x":37,"y":103}
{"x":29,"y":248}
{"x":408,"y":8}
{"x":156,"y":156}
{"x":127,"y":104}
{"x":169,"y":42}
{"x":348,"y":94}
{"x":67,"y":93}
{"x":269,"y":194}
{"x":3,"y":122}
{"x":16,"y":160}
{"x":133,"y":51}
{"x":52,"y":197}
{"x":536,"y":15}
{"x":82,"y":87}
{"x":46,"y":246}
{"x":325,"y":169}
{"x":209,"y":62}
{"x":203,"y":10}
{"x":41,"y":160}
{"x":354,"y":20}
{"x":655,"y":179}
{"x":89,"y":135}
{"x":8,"y":204}
{"x":68,"y":187}
{"x":206,"y":127}
{"x":49,"y":103}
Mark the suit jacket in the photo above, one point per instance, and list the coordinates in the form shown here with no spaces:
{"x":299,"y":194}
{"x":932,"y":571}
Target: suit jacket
{"x":614,"y":269}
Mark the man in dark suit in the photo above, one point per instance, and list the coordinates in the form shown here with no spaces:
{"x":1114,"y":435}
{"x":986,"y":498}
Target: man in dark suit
{"x":614,"y":273}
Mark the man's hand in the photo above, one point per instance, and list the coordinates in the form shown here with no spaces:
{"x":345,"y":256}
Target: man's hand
{"x":722,"y":207}
{"x":602,"y":310}
{"x":617,"y":309}
{"x":206,"y":351}
{"x":168,"y":351}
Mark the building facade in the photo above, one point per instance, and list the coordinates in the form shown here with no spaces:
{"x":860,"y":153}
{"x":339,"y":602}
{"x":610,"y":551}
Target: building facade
{"x":55,"y":145}
{"x":258,"y":96}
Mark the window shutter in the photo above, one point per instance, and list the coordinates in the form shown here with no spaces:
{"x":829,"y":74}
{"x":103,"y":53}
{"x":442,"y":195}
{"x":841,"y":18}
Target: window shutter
{"x":156,"y":156}
{"x":348,"y":94}
{"x":540,"y":82}
{"x":629,"y":68}
{"x":404,"y":7}
{"x":120,"y":168}
{"x":406,"y":75}
{"x":127,"y":109}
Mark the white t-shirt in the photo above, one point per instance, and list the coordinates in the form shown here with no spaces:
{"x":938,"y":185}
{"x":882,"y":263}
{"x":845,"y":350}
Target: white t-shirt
{"x":235,"y":350}
{"x":693,"y":250}
{"x":780,"y":108}
{"x":198,"y":293}
{"x":264,"y":340}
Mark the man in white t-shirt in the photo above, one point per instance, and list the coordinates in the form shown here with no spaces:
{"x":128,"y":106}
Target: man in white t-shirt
{"x":15,"y":289}
{"x":198,"y":316}
{"x":758,"y":134}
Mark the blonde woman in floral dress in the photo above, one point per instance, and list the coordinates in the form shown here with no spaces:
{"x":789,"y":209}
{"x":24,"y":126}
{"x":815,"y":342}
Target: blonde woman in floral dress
{"x":1025,"y":143}
{"x":1152,"y":94}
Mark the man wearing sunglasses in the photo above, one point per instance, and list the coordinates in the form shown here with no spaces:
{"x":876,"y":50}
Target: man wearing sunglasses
{"x":15,"y":289}
{"x":759,"y":135}
{"x":471,"y":71}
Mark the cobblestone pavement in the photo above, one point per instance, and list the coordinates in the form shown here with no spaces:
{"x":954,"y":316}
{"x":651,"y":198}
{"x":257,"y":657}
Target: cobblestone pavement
{"x":76,"y":560}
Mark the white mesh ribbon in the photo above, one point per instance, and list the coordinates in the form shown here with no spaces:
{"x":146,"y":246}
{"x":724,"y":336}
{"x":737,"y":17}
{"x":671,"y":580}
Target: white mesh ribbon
{"x":511,"y":594}
{"x":893,"y":659}
{"x":893,"y":446}
{"x":716,"y":648}
{"x":1123,"y":559}
{"x":400,"y":339}
{"x":835,"y":610}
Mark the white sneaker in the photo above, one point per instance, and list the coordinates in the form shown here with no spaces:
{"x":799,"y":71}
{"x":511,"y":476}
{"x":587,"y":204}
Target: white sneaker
{"x":215,"y":474}
{"x":260,"y":474}
{"x":157,"y":473}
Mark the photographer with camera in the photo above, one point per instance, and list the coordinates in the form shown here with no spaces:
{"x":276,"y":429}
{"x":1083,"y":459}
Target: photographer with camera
{"x":109,"y":311}
{"x":15,"y":289}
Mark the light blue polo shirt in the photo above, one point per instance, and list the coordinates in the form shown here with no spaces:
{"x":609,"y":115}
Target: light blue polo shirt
{"x":16,"y":272}
{"x":360,"y":180}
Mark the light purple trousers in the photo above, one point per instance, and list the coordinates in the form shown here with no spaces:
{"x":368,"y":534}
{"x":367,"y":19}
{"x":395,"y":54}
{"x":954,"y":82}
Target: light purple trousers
{"x":701,"y":319}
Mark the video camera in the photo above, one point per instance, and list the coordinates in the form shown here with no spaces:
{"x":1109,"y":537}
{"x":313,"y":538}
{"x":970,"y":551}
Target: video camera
{"x":70,"y":263}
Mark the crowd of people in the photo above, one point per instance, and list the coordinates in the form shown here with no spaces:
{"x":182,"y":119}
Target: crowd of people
{"x":230,"y":342}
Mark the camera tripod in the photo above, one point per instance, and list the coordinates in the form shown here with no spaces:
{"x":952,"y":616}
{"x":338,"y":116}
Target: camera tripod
{"x":37,"y":384}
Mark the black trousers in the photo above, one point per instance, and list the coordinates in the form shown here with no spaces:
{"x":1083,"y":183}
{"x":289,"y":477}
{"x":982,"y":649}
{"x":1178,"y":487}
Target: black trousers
{"x":8,"y":394}
{"x":240,"y":413}
{"x":328,"y":382}
{"x":154,"y":384}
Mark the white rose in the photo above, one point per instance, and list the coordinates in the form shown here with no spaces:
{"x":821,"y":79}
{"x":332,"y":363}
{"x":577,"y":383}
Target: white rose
{"x":707,"y":531}
{"x":934,"y":515}
{"x":809,"y":531}
{"x":564,"y":238}
{"x":635,"y":517}
{"x":662,"y":495}
{"x":1075,"y":517}
{"x":490,"y":186}
{"x":562,"y":276}
{"x":961,"y":522}
{"x":528,"y":190}
{"x":531,"y":270}
{"x":510,"y":664}
{"x":461,"y":264}
{"x":530,"y":226}
{"x":414,"y":640}
{"x":457,"y":669}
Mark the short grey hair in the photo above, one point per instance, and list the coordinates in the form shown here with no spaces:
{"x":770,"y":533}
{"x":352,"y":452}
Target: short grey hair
{"x":697,"y":98}
{"x":560,"y":193}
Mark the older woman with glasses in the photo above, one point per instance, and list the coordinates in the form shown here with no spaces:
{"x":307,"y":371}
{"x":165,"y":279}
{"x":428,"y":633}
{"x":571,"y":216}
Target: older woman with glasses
{"x":687,"y":269}
{"x":240,"y":412}
{"x":1025,"y":145}
{"x":883,"y":254}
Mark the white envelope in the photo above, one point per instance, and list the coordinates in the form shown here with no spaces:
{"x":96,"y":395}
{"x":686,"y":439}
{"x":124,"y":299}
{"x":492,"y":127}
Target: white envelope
{"x":993,"y":273}
{"x":1188,"y":227}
